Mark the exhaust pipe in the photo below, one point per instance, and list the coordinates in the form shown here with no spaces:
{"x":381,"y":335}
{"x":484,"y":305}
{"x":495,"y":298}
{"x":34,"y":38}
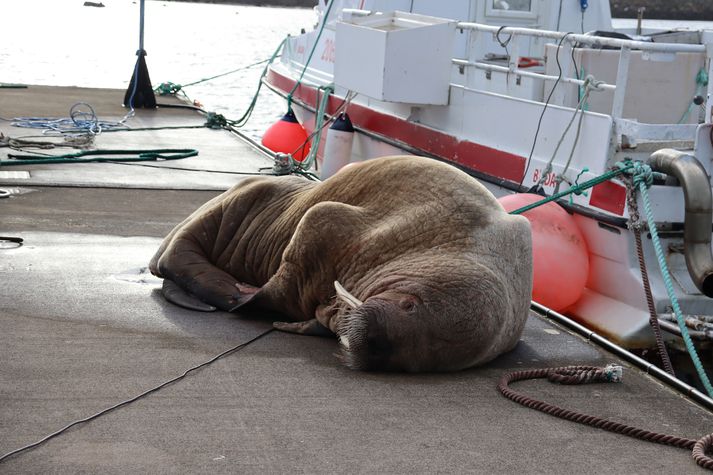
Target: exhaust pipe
{"x":699,"y":210}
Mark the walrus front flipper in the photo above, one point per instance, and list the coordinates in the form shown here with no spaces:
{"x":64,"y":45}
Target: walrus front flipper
{"x":310,"y":327}
{"x":176,"y":295}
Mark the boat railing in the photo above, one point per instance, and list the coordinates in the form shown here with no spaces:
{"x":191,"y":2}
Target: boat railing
{"x":567,"y":41}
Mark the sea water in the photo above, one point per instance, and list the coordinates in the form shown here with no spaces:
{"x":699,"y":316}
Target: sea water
{"x":63,"y":43}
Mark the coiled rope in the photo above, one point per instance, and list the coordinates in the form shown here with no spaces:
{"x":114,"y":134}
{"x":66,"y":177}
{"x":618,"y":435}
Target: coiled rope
{"x":82,"y":119}
{"x":592,"y":374}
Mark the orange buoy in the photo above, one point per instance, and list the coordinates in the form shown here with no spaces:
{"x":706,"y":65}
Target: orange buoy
{"x":560,"y":259}
{"x":287,"y":136}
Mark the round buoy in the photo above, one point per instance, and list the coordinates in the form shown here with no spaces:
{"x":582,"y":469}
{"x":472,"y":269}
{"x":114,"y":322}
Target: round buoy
{"x":287,"y":136}
{"x":560,"y":259}
{"x":338,"y":147}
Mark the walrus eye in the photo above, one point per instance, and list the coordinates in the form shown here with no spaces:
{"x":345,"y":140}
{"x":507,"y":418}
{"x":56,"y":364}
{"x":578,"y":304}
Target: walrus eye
{"x":407,"y":304}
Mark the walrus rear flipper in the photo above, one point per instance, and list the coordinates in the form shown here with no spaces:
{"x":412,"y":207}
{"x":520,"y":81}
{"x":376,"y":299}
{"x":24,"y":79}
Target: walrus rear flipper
{"x":177,"y":296}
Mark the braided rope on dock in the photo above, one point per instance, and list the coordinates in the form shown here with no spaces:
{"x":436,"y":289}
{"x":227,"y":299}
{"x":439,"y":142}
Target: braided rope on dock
{"x":593,"y":374}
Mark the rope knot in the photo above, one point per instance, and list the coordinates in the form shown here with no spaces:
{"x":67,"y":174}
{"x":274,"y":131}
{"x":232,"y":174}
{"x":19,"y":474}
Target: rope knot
{"x":284,"y":164}
{"x":168,"y":88}
{"x":215,"y":121}
{"x":592,"y":84}
{"x":642,"y":174}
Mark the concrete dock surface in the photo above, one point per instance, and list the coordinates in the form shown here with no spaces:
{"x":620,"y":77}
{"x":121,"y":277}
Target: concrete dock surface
{"x":84,"y":327}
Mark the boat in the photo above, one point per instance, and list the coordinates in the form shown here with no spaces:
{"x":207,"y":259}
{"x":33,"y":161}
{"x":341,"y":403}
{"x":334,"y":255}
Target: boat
{"x":88,"y":343}
{"x":535,"y":97}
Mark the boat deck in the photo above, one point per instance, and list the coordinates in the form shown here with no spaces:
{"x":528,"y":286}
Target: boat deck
{"x":84,"y":327}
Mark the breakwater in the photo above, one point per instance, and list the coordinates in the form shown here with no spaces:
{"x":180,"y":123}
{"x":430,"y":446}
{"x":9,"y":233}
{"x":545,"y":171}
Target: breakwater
{"x":655,"y":9}
{"x":701,"y":10}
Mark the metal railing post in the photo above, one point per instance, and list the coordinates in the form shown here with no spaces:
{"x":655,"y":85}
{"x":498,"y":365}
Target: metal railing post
{"x":622,"y":76}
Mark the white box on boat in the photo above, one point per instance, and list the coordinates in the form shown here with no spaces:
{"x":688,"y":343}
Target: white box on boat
{"x":395,"y":57}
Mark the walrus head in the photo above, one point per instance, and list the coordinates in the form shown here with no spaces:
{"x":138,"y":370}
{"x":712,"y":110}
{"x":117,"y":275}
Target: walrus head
{"x":412,"y":327}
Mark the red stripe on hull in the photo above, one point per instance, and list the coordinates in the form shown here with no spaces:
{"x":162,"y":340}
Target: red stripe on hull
{"x":475,"y":156}
{"x":609,"y":196}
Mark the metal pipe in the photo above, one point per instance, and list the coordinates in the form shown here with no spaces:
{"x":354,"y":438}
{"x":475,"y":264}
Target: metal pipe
{"x":529,"y":74}
{"x":673,"y":328}
{"x":642,"y":364}
{"x":141,"y":26}
{"x":699,"y":211}
{"x":596,"y":41}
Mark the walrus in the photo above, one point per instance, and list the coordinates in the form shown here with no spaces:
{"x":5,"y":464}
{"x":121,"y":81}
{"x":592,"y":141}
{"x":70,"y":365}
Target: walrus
{"x":410,"y":262}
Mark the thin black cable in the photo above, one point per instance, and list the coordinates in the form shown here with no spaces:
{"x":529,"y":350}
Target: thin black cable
{"x":547,"y":103}
{"x":187,"y":169}
{"x":576,"y":72}
{"x":129,"y":401}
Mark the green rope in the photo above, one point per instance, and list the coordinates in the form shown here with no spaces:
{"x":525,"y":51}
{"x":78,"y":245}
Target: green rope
{"x":244,"y":118}
{"x":701,"y":83}
{"x":577,"y":189}
{"x":576,"y":183}
{"x":218,"y":121}
{"x":170,"y":88}
{"x":311,"y":53}
{"x":643,"y":180}
{"x":133,"y":156}
{"x":321,"y":111}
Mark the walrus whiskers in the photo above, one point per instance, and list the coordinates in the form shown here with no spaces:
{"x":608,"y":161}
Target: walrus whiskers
{"x":352,"y":332}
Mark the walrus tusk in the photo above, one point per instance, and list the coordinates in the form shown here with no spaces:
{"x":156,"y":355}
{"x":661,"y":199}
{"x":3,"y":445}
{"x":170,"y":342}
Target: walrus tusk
{"x":348,"y":298}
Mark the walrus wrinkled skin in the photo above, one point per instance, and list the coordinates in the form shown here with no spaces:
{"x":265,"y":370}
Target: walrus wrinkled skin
{"x":439,"y":274}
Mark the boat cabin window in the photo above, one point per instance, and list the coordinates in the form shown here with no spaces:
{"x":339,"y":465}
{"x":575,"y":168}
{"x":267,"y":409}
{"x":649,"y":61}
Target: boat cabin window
{"x":520,"y":5}
{"x":510,"y":8}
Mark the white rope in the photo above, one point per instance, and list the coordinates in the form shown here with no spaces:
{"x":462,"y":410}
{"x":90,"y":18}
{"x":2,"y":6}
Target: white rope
{"x":590,"y":84}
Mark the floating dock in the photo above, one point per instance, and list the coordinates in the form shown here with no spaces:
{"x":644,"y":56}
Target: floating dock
{"x":84,"y":327}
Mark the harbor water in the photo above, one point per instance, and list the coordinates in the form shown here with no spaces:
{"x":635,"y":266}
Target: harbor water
{"x":63,"y":43}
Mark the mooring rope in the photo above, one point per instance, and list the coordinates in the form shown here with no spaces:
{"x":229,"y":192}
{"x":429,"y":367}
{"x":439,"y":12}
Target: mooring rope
{"x":128,"y":155}
{"x":592,"y":374}
{"x":325,"y":17}
{"x":634,"y":224}
{"x":578,"y":188}
{"x":642,"y":179}
{"x":170,"y":88}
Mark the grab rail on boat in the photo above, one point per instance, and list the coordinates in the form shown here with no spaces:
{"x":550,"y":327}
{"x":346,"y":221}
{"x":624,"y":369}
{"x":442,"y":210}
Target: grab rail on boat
{"x":529,"y":74}
{"x":596,"y":41}
{"x":568,"y":41}
{"x":699,"y":211}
